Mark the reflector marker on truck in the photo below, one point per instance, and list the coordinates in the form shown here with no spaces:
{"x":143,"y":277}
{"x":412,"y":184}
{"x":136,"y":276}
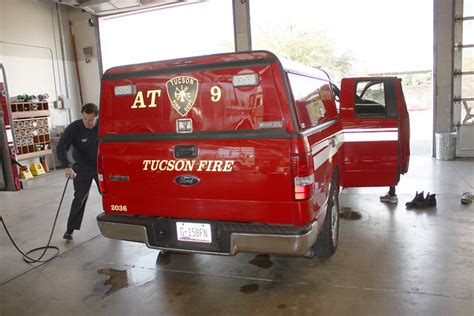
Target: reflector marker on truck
{"x":125,"y":90}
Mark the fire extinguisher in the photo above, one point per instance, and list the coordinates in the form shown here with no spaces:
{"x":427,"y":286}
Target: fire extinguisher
{"x":44,"y":163}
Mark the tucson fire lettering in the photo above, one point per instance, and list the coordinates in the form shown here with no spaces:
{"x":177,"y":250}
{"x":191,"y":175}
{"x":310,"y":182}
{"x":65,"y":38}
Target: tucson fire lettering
{"x":188,"y":165}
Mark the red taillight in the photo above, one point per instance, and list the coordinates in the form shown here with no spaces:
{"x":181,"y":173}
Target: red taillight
{"x":303,"y":187}
{"x":302,"y":169}
{"x":101,"y":183}
{"x":100,"y":174}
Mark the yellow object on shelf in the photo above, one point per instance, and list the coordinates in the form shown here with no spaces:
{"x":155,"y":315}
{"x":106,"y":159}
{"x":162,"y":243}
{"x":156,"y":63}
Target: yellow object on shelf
{"x":37,"y":169}
{"x":25,"y":173}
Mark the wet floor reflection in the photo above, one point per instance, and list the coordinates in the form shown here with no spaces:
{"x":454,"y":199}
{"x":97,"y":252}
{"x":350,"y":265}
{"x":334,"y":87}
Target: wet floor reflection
{"x":118,"y":279}
{"x":349,"y":214}
{"x":163,"y":258}
{"x":262,"y":261}
{"x":249,"y":288}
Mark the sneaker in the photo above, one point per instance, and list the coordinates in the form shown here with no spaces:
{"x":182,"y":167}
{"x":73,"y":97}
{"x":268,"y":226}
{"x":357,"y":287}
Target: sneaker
{"x":430,"y":201}
{"x":418,"y":197}
{"x":389,"y":198}
{"x":467,"y":198}
{"x":68,"y":235}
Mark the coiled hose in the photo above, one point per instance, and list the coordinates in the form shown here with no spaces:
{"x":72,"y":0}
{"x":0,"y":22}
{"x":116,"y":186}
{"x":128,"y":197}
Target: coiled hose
{"x":26,"y":256}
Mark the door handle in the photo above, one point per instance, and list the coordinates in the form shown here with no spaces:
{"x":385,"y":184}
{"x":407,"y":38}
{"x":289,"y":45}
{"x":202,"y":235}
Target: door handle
{"x":185,"y":151}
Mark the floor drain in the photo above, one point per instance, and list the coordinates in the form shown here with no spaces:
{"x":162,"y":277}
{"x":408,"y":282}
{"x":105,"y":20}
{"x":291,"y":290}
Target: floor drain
{"x":348,"y":214}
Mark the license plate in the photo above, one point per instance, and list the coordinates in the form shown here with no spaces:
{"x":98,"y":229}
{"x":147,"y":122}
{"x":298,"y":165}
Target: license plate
{"x":194,"y":232}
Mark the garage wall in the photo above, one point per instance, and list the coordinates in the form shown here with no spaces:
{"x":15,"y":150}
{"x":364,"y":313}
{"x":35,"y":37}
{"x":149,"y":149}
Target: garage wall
{"x":443,"y":65}
{"x":36,"y":51}
{"x":85,"y":36}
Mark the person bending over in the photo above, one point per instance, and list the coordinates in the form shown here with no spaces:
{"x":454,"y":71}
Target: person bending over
{"x":82,"y":135}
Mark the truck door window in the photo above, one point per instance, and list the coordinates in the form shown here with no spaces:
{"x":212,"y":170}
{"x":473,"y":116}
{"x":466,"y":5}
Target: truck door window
{"x":375,"y":99}
{"x":313,"y":99}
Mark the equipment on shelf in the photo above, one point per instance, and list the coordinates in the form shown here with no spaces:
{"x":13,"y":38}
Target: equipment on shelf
{"x":31,"y":127}
{"x":32,"y":98}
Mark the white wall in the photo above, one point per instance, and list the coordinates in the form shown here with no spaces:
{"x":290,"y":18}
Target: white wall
{"x":27,"y":48}
{"x":35,"y":62}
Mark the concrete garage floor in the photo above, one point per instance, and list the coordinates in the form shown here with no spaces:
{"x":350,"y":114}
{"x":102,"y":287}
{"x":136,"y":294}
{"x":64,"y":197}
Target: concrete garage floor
{"x":391,"y":261}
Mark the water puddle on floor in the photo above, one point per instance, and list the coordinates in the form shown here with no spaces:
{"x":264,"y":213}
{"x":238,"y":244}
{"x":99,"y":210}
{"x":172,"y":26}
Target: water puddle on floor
{"x":249,"y":288}
{"x":118,"y":279}
{"x":262,"y":261}
{"x":163,"y":259}
{"x":348,"y":214}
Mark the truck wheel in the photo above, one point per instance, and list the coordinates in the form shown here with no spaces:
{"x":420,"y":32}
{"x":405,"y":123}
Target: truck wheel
{"x":328,"y":238}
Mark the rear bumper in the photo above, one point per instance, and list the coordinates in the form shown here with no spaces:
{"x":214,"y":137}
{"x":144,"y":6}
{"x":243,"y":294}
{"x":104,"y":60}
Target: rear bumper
{"x":229,"y":238}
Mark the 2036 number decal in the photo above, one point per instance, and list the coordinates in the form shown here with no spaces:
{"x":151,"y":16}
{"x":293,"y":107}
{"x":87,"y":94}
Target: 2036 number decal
{"x":118,"y":208}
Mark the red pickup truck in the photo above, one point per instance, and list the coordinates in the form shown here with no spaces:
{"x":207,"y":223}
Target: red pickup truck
{"x":241,"y":152}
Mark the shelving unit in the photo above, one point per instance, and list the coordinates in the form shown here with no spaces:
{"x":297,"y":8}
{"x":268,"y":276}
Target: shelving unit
{"x":31,"y":129}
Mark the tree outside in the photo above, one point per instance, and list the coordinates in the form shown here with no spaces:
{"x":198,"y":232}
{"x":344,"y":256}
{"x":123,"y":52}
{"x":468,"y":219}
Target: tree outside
{"x":308,"y":48}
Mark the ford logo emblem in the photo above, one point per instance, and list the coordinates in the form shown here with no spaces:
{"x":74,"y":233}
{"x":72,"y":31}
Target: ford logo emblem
{"x":187,"y":180}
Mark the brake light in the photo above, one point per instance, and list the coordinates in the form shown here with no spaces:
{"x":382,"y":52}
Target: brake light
{"x":302,"y":169}
{"x":245,"y":80}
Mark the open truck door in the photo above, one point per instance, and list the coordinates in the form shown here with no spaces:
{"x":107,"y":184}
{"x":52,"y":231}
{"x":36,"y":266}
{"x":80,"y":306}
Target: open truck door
{"x":376,"y":131}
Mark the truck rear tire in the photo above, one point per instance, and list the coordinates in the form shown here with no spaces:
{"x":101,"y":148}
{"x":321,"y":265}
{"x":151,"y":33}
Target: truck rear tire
{"x":328,"y":239}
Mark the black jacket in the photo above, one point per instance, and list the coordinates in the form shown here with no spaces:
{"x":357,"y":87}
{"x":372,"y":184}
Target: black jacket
{"x":84,"y":143}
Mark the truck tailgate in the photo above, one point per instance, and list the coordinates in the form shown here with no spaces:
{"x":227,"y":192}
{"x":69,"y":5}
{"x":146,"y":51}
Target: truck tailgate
{"x":238,"y":180}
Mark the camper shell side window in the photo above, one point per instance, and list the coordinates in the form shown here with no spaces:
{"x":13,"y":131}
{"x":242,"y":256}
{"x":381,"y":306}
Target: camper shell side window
{"x":313,"y":99}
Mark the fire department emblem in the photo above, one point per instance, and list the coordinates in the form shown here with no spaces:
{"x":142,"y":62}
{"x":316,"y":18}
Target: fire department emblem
{"x":182,"y":92}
